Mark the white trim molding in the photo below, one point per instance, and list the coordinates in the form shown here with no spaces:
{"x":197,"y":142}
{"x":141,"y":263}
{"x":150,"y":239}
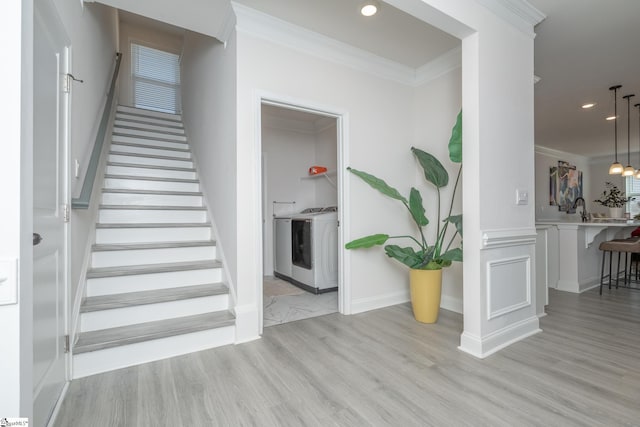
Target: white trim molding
{"x":495,"y":286}
{"x":261,"y":25}
{"x":497,"y":340}
{"x":519,"y":13}
{"x":361,"y":305}
{"x":493,"y":239}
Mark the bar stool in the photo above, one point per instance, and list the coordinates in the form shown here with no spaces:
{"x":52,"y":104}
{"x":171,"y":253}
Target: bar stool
{"x":626,"y":246}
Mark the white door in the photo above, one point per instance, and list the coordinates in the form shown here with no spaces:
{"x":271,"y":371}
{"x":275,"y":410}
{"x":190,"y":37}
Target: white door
{"x":49,"y":194}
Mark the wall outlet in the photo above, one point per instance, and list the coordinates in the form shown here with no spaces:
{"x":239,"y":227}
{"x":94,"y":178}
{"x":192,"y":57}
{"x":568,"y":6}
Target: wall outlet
{"x":522,"y":197}
{"x":8,"y":281}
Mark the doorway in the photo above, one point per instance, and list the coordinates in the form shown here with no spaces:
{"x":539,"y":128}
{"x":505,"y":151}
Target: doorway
{"x":50,"y":209}
{"x":300,"y":212}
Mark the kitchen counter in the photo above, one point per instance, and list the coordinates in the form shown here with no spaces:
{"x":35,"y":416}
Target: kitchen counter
{"x":568,"y":255}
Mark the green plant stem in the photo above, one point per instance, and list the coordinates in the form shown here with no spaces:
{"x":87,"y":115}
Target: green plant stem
{"x":424,"y":240}
{"x":451,"y":241}
{"x":444,"y":229}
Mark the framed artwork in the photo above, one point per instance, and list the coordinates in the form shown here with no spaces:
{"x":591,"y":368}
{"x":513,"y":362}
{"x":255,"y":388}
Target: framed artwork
{"x":565,"y":186}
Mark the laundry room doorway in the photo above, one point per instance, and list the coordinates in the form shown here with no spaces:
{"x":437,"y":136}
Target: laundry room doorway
{"x":301,"y":210}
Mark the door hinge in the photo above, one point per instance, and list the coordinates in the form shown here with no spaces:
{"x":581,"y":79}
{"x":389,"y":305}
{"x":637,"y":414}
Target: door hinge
{"x":66,"y":212}
{"x":67,"y":347}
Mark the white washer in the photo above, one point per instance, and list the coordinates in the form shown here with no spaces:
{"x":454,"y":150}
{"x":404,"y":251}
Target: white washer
{"x":282,"y":247}
{"x":314,"y":251}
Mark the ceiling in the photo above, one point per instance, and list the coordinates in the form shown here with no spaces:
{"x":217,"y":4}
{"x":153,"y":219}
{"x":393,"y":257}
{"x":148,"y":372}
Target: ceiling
{"x":581,"y":49}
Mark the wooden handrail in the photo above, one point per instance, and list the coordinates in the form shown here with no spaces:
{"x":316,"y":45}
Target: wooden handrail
{"x":82,"y":202}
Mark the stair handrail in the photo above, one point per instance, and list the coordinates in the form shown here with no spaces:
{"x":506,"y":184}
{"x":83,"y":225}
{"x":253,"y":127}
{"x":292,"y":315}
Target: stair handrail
{"x":82,"y":202}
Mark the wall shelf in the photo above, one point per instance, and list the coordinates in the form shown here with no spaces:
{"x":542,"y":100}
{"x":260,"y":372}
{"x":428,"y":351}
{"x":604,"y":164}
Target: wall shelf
{"x":326,"y":174}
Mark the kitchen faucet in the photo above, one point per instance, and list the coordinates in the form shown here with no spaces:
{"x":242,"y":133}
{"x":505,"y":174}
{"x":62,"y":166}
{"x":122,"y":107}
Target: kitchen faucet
{"x":583,"y":214}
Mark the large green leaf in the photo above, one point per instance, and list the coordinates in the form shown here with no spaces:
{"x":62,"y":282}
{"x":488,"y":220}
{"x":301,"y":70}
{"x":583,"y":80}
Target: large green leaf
{"x":455,"y":142}
{"x":434,"y":172}
{"x":452,"y":255}
{"x":368,"y":241}
{"x":416,"y":208}
{"x":407,"y":256}
{"x":457,"y":221}
{"x":378,"y":184}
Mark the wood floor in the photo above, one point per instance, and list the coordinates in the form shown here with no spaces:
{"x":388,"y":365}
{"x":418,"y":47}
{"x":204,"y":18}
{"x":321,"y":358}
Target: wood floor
{"x":382,"y":368}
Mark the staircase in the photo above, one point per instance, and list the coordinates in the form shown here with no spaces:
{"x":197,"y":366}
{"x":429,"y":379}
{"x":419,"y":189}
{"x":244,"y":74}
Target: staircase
{"x":154,"y":287}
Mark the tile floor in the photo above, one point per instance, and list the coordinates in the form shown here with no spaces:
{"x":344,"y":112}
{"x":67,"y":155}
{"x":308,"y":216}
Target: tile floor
{"x":284,"y":302}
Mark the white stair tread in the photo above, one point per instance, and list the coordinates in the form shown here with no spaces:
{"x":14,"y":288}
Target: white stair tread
{"x":155,"y":147}
{"x":143,"y":166}
{"x":151,"y":178}
{"x":143,"y":138}
{"x":152,"y":192}
{"x":154,"y":208}
{"x":151,"y":156}
{"x":156,"y":225}
{"x":134,"y":123}
{"x":149,"y":113}
{"x":130,"y":299}
{"x":159,"y":245}
{"x":131,"y":270}
{"x":123,"y":335}
{"x":124,"y":129}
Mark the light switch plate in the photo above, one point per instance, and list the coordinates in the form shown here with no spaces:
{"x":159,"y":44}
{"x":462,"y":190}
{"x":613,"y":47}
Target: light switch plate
{"x":522,"y":197}
{"x":8,"y":281}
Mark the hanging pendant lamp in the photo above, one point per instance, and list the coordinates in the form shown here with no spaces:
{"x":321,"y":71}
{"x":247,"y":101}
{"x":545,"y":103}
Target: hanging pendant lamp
{"x":616,"y":167}
{"x":638,"y":106}
{"x":628,"y":170}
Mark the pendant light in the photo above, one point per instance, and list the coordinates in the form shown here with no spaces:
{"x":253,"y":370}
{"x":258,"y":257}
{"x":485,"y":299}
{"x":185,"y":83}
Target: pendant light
{"x":638,"y":106}
{"x":616,"y":167}
{"x":628,"y":170}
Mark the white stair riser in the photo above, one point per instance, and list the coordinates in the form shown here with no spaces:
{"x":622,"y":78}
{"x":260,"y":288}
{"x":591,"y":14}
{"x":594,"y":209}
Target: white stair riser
{"x":150,"y":199}
{"x":123,"y":158}
{"x":104,"y":319}
{"x":95,"y":362}
{"x":137,"y":124}
{"x":150,"y":151}
{"x":148,"y":113}
{"x":135,"y":184}
{"x":149,"y":133}
{"x":151,"y":120}
{"x":135,"y":216}
{"x":151,"y":235}
{"x":149,"y":142}
{"x":157,"y":173}
{"x":147,"y":282}
{"x":152,"y":256}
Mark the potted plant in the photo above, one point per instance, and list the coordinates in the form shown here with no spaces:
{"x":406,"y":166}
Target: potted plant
{"x":614,"y":199}
{"x":425,"y":260}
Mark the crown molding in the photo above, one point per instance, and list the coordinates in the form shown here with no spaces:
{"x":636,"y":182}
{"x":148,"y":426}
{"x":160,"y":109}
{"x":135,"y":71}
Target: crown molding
{"x":440,"y":66}
{"x":552,"y":152}
{"x":264,"y":26}
{"x":228,"y":24}
{"x":519,"y":13}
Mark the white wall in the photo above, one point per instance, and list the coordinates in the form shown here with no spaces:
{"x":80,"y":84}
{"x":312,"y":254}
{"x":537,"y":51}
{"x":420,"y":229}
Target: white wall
{"x":15,"y":217}
{"x":327,"y":155}
{"x":439,"y":101}
{"x":92,"y":29}
{"x":208,"y":71}
{"x":546,"y":158}
{"x":145,"y":36}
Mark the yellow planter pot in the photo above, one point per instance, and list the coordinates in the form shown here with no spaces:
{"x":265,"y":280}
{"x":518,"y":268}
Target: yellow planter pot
{"x":426,"y":288}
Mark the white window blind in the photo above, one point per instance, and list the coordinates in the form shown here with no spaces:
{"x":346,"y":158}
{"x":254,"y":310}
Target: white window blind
{"x":156,"y":79}
{"x":633,"y":191}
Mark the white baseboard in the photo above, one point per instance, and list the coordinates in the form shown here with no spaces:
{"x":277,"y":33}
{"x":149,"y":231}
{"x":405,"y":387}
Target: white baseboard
{"x":451,"y":304}
{"x":379,"y":301}
{"x":482,"y":347}
{"x":247,"y":323}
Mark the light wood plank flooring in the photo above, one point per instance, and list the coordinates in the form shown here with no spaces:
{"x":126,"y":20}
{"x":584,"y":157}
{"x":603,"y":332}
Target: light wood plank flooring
{"x":382,"y":368}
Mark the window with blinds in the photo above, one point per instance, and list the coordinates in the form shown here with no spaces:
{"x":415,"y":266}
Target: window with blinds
{"x":633,"y":191}
{"x":156,"y":79}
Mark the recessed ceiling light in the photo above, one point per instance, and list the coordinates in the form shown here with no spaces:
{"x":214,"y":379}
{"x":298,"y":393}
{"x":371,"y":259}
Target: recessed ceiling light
{"x":611,"y":118}
{"x":369,"y":8}
{"x":589,"y":105}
